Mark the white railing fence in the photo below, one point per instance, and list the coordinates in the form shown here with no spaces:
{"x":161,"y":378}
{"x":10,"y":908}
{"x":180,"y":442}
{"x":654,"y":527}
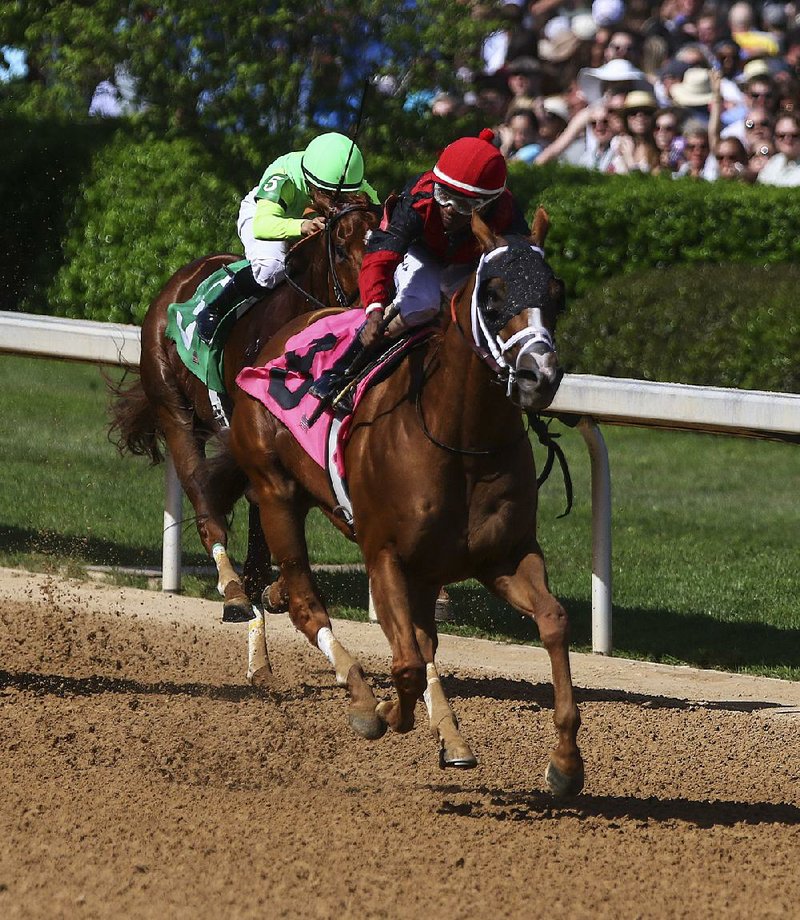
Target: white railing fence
{"x":592,"y":399}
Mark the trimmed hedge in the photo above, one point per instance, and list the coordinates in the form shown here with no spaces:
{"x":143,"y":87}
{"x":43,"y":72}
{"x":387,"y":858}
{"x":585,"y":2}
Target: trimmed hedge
{"x":711,"y":325}
{"x":144,"y":211}
{"x":625,"y":224}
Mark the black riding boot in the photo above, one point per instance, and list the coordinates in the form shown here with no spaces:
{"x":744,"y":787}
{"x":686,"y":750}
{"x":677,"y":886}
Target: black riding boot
{"x":328,"y":384}
{"x":241,"y":287}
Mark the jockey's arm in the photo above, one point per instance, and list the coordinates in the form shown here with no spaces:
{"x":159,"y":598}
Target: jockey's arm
{"x":271,"y":223}
{"x":385,"y":251}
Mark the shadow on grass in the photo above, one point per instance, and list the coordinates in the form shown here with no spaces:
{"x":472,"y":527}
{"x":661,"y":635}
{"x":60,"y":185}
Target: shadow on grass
{"x":650,"y":634}
{"x":538,"y":806}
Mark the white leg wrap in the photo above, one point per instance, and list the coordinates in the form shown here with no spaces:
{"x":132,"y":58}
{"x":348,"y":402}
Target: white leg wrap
{"x":225,"y":570}
{"x":325,"y":643}
{"x":433,"y":678}
{"x":257,"y":657}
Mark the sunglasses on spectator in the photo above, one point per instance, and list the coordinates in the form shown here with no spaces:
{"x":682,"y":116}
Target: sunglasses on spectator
{"x":765,"y":94}
{"x":787,"y":135}
{"x":698,"y":145}
{"x":461,"y":204}
{"x":736,"y":157}
{"x":639,"y":112}
{"x":750,"y":124}
{"x":665,"y":127}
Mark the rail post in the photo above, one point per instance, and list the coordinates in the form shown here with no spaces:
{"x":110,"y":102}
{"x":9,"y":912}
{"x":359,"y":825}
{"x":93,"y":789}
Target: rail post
{"x":601,"y":535}
{"x":173,"y":521}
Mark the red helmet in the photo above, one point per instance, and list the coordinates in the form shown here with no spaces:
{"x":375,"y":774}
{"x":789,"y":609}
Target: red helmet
{"x":472,"y":166}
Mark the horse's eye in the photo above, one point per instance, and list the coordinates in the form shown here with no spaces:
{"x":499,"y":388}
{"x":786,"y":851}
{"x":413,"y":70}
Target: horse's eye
{"x":495,"y":295}
{"x":340,"y":252}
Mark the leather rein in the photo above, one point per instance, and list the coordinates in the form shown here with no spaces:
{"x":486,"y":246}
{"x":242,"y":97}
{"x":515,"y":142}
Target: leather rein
{"x":343,"y":299}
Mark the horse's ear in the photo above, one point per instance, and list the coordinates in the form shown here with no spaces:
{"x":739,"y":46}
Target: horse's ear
{"x":482,"y":233}
{"x":541,"y":224}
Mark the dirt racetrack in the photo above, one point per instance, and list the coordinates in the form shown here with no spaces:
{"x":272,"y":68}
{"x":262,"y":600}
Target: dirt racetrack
{"x":142,"y":778}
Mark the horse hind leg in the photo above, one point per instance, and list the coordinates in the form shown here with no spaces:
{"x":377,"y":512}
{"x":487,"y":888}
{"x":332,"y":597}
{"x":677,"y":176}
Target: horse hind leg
{"x":187,"y":454}
{"x":257,"y":568}
{"x":282,"y":518}
{"x":527,"y":590}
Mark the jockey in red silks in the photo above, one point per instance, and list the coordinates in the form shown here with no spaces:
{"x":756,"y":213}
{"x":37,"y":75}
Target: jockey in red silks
{"x":425,"y":246}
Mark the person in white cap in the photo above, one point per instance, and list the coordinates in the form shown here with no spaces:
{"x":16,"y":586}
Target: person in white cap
{"x":617,"y":76}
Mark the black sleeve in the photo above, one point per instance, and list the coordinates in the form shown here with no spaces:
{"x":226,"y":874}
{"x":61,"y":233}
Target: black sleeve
{"x":405,"y":226}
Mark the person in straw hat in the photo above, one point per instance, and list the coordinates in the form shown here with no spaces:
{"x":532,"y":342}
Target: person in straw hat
{"x":636,"y":149}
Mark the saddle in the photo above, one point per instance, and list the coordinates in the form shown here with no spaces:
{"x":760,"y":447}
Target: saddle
{"x":204,"y":361}
{"x":283,"y":385}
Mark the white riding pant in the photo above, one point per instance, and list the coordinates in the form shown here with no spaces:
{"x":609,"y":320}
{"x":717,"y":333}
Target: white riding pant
{"x":420,"y":280}
{"x":267,"y":257}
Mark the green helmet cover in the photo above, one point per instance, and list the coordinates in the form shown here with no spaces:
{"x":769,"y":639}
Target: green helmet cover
{"x":332,"y":161}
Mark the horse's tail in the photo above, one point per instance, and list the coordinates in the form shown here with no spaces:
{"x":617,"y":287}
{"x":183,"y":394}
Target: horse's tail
{"x":134,"y":426}
{"x":225,"y":480}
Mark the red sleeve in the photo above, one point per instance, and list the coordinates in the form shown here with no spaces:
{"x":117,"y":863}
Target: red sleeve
{"x":376,"y":280}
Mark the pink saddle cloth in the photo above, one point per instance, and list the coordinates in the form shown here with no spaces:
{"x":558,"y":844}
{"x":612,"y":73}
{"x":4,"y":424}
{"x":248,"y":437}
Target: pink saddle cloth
{"x":282,"y":385}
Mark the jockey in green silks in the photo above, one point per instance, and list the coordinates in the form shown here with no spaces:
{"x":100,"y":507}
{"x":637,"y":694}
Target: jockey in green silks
{"x":271,"y":217}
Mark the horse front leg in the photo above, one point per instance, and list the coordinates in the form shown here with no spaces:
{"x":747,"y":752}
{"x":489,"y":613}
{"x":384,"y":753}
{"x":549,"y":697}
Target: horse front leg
{"x":399,"y":603}
{"x":453,"y":749}
{"x":526,"y":589}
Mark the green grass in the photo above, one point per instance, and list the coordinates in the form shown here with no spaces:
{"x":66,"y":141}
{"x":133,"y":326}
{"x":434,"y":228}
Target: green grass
{"x":706,"y":529}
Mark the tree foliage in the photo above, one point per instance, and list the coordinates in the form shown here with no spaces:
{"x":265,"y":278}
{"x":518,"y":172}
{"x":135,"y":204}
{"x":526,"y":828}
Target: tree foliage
{"x":242,"y":68}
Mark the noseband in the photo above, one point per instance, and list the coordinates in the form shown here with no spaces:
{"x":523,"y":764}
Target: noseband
{"x":527,"y":283}
{"x":343,"y":299}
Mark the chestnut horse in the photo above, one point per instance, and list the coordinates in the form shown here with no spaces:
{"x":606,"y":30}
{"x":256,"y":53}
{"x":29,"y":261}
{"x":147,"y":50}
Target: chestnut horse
{"x":168,"y":403}
{"x":443,"y":488}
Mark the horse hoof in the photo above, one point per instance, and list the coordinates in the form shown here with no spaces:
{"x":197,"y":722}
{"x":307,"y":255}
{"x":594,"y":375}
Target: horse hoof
{"x":458,"y":756}
{"x":273,"y":601}
{"x":367,"y":723}
{"x":262,"y":679}
{"x":563,"y":785}
{"x":237,"y":611}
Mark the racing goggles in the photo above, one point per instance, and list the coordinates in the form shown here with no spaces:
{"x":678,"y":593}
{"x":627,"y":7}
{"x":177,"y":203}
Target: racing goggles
{"x":461,"y":204}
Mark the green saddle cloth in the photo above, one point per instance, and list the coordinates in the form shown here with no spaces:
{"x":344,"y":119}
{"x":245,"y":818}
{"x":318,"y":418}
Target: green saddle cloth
{"x":204,"y":361}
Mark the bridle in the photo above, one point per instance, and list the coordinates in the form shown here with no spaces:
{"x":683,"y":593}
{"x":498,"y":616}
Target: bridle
{"x":485,"y":339}
{"x":343,"y":299}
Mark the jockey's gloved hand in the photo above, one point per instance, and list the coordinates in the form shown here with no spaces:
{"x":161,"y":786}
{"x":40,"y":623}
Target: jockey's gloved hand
{"x":312,"y":225}
{"x":371,"y":330}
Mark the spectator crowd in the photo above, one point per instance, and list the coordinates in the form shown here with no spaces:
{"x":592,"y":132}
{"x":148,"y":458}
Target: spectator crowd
{"x":708,"y":90}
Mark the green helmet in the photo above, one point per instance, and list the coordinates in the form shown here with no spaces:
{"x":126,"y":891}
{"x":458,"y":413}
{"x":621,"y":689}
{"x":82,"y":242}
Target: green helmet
{"x":332,"y":161}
